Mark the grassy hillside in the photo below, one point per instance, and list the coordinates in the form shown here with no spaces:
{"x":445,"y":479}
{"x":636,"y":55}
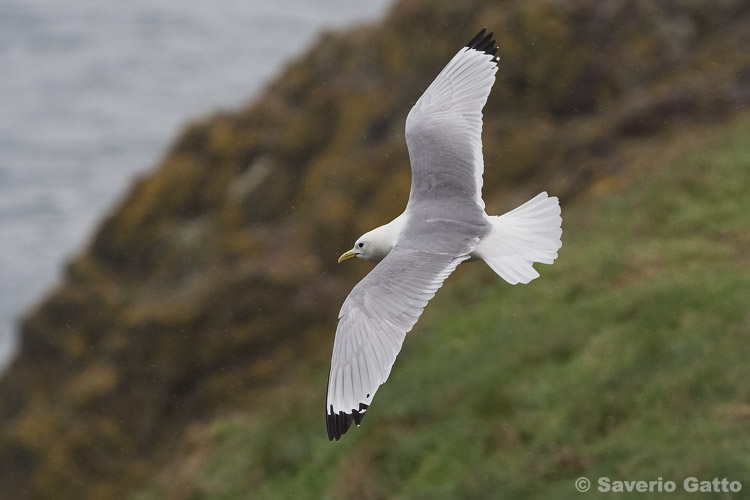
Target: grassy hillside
{"x":628,"y":359}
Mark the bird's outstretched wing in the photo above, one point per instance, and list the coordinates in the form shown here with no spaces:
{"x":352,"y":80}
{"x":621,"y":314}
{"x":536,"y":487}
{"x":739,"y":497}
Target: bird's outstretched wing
{"x":444,"y":128}
{"x":373,"y":322}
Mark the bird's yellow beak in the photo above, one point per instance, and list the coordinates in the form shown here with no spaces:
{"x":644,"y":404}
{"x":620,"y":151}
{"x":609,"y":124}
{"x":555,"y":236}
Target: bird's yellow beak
{"x":346,"y":256}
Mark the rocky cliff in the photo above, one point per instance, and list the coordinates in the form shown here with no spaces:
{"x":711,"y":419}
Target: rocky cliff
{"x":216,"y":277}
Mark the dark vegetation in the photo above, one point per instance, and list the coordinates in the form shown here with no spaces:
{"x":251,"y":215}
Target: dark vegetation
{"x":213,"y":289}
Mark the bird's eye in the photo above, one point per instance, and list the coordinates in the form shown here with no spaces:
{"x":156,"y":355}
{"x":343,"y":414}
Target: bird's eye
{"x":361,"y":245}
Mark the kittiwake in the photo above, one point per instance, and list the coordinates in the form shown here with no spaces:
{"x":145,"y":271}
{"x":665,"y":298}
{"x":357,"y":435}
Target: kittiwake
{"x":444,"y":224}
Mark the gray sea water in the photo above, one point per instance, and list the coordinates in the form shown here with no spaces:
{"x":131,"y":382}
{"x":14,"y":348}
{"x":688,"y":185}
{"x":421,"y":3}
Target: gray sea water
{"x":91,"y":93}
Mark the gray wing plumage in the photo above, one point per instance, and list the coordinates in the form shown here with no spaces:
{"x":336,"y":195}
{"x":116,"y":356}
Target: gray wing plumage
{"x":444,"y":130}
{"x":445,"y":220}
{"x":373,"y":322}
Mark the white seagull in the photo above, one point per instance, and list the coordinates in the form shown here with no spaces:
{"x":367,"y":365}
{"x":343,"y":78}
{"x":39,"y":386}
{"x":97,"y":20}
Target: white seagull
{"x":443,"y":225}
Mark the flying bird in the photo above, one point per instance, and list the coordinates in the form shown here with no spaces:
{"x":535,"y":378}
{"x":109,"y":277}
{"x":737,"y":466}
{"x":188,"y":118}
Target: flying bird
{"x":444,"y":224}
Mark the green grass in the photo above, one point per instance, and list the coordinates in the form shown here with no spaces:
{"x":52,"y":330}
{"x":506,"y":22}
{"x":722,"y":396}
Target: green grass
{"x":629,"y":358}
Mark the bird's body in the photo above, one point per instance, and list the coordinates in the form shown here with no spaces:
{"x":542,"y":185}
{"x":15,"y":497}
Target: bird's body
{"x":443,"y":225}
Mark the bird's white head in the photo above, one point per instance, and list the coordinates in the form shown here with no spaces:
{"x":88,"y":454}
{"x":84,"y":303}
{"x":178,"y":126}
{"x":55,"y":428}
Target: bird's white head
{"x":376,"y":244}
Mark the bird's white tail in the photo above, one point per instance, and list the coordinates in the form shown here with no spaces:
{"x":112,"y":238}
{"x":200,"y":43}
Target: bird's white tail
{"x":525,"y":235}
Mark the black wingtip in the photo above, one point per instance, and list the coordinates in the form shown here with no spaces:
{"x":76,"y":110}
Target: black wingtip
{"x":476,"y":38}
{"x":484,"y":43}
{"x":338,"y":423}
